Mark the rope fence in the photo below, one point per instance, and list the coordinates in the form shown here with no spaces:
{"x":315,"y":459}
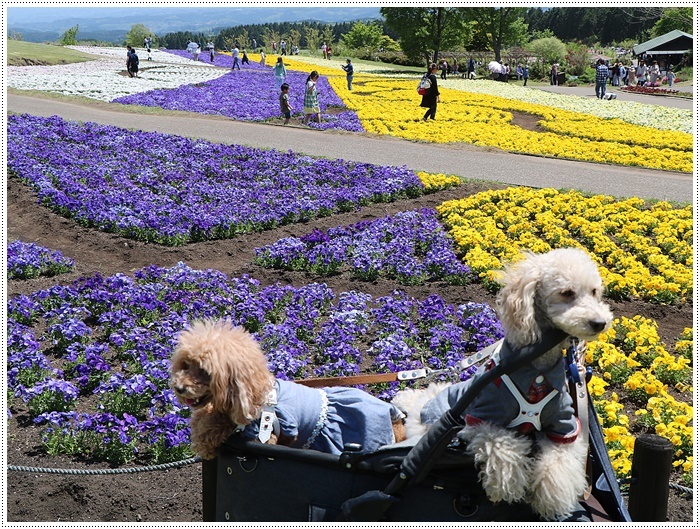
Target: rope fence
{"x":97,"y":472}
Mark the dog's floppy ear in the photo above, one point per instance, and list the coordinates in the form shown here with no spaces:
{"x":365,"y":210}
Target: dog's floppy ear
{"x":515,"y":303}
{"x":240,"y":379}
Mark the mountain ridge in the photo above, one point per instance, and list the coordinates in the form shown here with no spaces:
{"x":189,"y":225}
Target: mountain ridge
{"x":47,"y":23}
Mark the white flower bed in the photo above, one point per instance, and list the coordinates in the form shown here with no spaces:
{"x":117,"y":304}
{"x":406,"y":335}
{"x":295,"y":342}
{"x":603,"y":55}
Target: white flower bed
{"x":658,"y":117}
{"x":105,"y":78}
{"x":158,"y":56}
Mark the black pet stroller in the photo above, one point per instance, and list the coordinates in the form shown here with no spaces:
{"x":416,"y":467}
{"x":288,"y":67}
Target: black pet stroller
{"x":433,"y":480}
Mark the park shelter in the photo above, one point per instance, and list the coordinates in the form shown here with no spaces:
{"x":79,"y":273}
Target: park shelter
{"x":667,"y":49}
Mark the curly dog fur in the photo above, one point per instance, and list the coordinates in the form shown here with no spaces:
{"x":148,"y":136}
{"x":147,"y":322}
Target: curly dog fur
{"x":561,"y":289}
{"x":221,"y":373}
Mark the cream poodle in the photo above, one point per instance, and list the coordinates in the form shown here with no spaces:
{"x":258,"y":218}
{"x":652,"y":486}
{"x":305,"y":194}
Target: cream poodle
{"x":522,"y":429}
{"x":221,"y":373}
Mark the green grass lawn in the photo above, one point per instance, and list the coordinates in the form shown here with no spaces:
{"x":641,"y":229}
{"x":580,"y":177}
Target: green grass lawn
{"x":20,"y":53}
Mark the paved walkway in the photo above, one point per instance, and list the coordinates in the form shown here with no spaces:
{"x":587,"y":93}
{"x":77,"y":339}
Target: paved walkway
{"x":663,"y":101}
{"x":463,"y":160}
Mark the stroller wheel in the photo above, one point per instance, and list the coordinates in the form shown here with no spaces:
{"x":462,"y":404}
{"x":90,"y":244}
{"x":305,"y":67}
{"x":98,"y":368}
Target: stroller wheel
{"x":465,"y":505}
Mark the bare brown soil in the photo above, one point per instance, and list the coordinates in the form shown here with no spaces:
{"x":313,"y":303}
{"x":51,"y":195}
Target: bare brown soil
{"x":175,"y":495}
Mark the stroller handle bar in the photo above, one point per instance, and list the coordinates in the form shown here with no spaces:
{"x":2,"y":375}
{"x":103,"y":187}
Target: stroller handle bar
{"x":428,"y":449}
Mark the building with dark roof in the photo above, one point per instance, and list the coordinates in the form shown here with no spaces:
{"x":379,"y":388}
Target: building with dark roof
{"x":668,"y":49}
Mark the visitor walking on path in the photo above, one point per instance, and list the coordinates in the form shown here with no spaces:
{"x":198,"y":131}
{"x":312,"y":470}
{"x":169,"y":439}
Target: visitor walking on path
{"x":234,"y":54}
{"x":641,"y":73}
{"x":210,"y":48}
{"x":555,"y":74}
{"x":132,"y":62}
{"x":654,"y":73}
{"x":128,"y":61}
{"x":670,"y":76}
{"x":280,"y":72}
{"x":526,"y":74}
{"x":262,"y":57}
{"x":601,"y":79}
{"x":349,"y":72}
{"x":311,"y":98}
{"x":432,"y":96}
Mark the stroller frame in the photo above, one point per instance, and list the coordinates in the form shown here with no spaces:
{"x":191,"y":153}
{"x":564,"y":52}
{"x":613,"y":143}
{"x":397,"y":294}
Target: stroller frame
{"x":431,"y":481}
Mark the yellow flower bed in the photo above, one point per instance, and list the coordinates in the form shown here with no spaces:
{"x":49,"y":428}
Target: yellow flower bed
{"x":391,"y":106}
{"x":437,"y":181}
{"x":642,"y":252}
{"x":301,"y":66}
{"x":616,"y":130}
{"x":635,"y":343}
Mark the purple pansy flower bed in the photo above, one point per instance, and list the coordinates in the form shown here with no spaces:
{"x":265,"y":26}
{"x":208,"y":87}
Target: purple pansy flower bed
{"x":249,"y":94}
{"x":411,"y":247}
{"x":30,"y":260}
{"x":101,"y":389}
{"x":173,"y":190}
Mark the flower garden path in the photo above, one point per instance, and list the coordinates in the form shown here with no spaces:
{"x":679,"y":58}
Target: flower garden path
{"x":467,"y":161}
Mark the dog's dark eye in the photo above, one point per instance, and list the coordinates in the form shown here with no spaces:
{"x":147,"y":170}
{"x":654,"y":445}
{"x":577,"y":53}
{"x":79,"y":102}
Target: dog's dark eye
{"x":594,"y":292}
{"x":568,"y":293}
{"x":185,"y":366}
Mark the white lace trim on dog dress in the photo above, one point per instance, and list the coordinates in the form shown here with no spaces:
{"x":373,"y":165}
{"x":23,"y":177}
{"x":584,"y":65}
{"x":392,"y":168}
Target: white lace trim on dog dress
{"x":328,"y":419}
{"x":321,"y":420}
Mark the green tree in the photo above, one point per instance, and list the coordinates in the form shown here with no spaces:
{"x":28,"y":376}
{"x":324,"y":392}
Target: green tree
{"x":242,"y":39}
{"x":550,"y":49}
{"x":68,"y":38}
{"x":498,"y":26}
{"x":294,"y":39}
{"x":271,"y":35}
{"x":364,"y":36}
{"x":674,"y":18}
{"x":136,"y":35}
{"x":424,"y":31}
{"x":577,"y":59}
{"x":327,"y":34}
{"x":537,"y":34}
{"x":313,"y":40}
{"x":389,"y":44}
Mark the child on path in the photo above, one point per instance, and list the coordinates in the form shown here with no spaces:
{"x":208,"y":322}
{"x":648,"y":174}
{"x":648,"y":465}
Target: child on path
{"x":285,"y":107}
{"x":670,"y":77}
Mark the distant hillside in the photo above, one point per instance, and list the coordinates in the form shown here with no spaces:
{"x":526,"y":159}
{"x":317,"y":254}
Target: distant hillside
{"x":111,"y":24}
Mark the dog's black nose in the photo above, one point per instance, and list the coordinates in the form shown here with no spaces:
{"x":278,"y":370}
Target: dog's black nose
{"x":179,"y":389}
{"x":597,"y":325}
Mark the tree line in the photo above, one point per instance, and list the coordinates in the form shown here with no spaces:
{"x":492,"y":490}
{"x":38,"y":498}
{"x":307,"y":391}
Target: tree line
{"x":303,"y":34}
{"x":422,"y":34}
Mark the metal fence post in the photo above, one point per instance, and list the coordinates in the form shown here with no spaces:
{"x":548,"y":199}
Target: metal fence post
{"x":651,"y":471}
